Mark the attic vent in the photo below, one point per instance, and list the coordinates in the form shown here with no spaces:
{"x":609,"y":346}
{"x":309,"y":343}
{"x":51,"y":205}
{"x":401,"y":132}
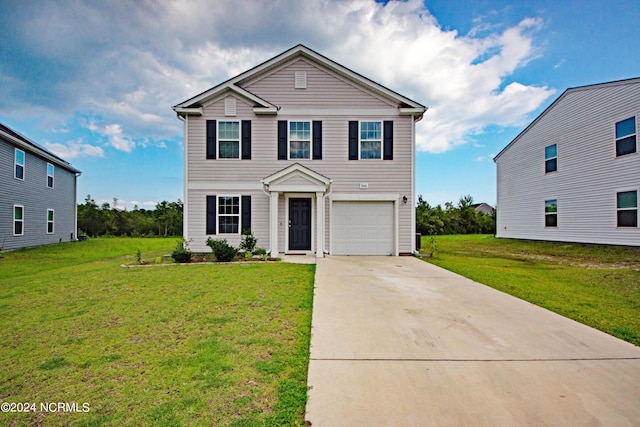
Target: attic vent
{"x":301,"y":80}
{"x":230,"y":107}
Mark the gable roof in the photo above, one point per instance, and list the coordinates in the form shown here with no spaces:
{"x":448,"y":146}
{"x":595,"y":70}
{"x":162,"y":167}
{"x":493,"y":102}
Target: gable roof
{"x":634,"y":80}
{"x":24,"y":143}
{"x":194,"y":105}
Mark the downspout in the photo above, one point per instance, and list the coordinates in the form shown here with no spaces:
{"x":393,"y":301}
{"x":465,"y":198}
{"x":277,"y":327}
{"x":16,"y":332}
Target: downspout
{"x":75,"y":210}
{"x":327,"y":194}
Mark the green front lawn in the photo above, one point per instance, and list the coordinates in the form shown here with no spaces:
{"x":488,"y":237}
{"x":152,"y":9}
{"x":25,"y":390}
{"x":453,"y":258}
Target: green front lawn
{"x":594,"y":284}
{"x":170,"y":345}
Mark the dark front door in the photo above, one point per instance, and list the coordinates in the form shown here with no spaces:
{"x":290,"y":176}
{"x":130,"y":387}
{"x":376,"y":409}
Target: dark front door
{"x":299,"y":224}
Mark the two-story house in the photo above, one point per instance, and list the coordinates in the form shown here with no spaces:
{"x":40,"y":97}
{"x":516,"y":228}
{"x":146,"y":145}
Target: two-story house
{"x":311,"y":156}
{"x":574,"y":173}
{"x":37,"y":194}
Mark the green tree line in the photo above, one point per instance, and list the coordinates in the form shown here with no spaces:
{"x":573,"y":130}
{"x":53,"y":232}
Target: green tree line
{"x":453,"y":219}
{"x":108,"y":220}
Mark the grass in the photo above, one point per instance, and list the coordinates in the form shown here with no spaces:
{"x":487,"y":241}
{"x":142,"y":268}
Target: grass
{"x":160,"y":346}
{"x":593,"y":284}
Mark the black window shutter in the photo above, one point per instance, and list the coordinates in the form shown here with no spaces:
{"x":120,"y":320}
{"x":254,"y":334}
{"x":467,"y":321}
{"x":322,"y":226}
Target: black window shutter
{"x":317,"y":140}
{"x":211,"y":214}
{"x":387,"y":140}
{"x":353,"y":140}
{"x":246,"y":139}
{"x":211,"y":139}
{"x":282,"y":140}
{"x":245,"y":223}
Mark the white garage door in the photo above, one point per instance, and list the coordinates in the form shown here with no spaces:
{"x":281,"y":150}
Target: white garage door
{"x":362,"y":228}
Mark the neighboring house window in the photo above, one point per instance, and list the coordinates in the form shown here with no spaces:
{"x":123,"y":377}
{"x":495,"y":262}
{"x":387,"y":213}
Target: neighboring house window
{"x":18,"y":220}
{"x":626,"y":136}
{"x":627,"y":204}
{"x":50,"y":172}
{"x":229,"y":140}
{"x":19,"y":164}
{"x":370,"y":142}
{"x":551,"y":158}
{"x":229,"y":214}
{"x":551,"y":213}
{"x":299,"y":140}
{"x":49,"y":221}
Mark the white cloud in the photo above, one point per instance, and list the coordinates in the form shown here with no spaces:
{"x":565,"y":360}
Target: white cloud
{"x":134,"y":60}
{"x":74,"y":149}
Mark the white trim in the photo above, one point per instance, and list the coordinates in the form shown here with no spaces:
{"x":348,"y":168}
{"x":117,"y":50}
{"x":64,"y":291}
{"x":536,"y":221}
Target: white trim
{"x":615,"y":138}
{"x":367,"y":197}
{"x":360,"y":122}
{"x":282,"y":175}
{"x":53,"y":183}
{"x":53,"y":221}
{"x":13,"y":218}
{"x":15,"y":163}
{"x":322,"y":112}
{"x":637,"y":208}
{"x":222,"y":185}
{"x":273,"y":223}
{"x":218,"y":214}
{"x":185,"y":185}
{"x":310,"y":139}
{"x":189,"y":111}
{"x":218,"y":140}
{"x":288,"y":196}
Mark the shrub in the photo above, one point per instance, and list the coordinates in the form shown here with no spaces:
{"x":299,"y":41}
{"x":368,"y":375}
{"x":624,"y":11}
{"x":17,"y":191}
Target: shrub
{"x":181,"y":253}
{"x":260,"y":251}
{"x":222,"y":250}
{"x":249,"y":241}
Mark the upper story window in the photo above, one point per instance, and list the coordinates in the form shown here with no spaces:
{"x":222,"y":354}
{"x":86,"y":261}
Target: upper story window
{"x":299,"y":140}
{"x":626,"y":136}
{"x":370,"y":141}
{"x":19,"y":164}
{"x":551,"y":213}
{"x":229,"y":140}
{"x":551,"y":158}
{"x":50,"y":172}
{"x":627,"y":205}
{"x":229,"y":214}
{"x":18,"y":220}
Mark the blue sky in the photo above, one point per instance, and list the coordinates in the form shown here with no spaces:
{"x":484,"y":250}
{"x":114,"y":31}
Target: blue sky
{"x":95,"y":81}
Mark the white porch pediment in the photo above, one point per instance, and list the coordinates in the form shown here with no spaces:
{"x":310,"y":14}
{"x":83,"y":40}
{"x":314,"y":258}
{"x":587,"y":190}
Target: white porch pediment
{"x":297,"y":178}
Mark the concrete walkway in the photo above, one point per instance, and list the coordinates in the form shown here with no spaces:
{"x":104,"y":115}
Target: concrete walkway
{"x":399,"y":342}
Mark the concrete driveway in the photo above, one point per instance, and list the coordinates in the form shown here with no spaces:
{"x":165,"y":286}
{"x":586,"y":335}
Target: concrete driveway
{"x":399,"y":342}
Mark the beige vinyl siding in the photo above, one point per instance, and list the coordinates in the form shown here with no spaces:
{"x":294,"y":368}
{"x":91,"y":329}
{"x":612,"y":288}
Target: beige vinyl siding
{"x":324,"y":90}
{"x":582,"y":124}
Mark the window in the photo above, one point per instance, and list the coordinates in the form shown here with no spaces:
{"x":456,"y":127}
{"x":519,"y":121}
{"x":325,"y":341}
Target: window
{"x":229,"y":214}
{"x":627,"y":204}
{"x":18,"y":220}
{"x":299,"y":140}
{"x":19,"y":164}
{"x":550,"y":158}
{"x":49,"y":221}
{"x":370,"y":140}
{"x":50,"y":171}
{"x":229,"y":140}
{"x":626,"y":136}
{"x":551,"y":213}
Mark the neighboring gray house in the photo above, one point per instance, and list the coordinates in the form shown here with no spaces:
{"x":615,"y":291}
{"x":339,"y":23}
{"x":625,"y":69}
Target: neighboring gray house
{"x":37,"y":194}
{"x":483,"y":207}
{"x":310,"y":155}
{"x":574,"y":173}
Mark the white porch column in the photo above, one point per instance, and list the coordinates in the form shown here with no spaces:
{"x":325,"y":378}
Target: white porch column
{"x":319,"y":225}
{"x":273,"y":224}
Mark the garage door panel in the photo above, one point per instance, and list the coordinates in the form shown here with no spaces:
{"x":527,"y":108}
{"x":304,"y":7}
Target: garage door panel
{"x":363,"y":228}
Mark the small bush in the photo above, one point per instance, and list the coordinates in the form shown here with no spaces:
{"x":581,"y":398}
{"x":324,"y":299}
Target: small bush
{"x":249,"y":241}
{"x":181,"y":254}
{"x":222,"y":250}
{"x":260,"y":251}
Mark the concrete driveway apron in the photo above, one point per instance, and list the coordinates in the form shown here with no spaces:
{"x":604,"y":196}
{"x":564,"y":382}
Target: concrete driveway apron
{"x":399,"y":342}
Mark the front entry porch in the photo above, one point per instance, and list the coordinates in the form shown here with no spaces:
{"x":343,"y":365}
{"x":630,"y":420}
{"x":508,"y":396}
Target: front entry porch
{"x":303,"y":193}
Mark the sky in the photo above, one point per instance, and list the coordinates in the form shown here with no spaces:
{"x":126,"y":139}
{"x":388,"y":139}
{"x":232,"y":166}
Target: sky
{"x":94,"y":81}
